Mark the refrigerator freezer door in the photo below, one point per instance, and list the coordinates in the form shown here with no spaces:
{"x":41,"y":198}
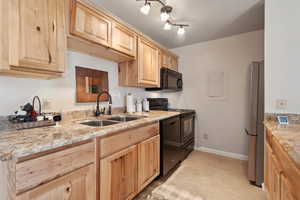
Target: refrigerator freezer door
{"x":256,"y":129}
{"x":260,"y":127}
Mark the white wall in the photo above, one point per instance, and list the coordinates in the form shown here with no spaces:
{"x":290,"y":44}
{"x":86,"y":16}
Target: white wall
{"x":62,"y":92}
{"x":282,"y":52}
{"x":222,"y":120}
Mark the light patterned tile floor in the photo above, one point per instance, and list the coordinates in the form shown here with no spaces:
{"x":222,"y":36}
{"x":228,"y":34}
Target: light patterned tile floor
{"x":208,"y":177}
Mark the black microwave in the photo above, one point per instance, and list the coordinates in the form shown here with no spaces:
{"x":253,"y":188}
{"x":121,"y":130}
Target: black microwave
{"x":169,"y":81}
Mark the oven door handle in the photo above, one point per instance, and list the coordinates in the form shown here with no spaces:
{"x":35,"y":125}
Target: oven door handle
{"x":247,"y":132}
{"x":172,"y":123}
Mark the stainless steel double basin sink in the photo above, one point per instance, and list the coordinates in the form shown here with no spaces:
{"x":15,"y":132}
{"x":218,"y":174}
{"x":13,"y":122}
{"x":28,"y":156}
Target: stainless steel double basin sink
{"x":111,"y":121}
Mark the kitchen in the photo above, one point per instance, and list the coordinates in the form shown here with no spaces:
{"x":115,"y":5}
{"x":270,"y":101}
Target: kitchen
{"x":199,"y":71}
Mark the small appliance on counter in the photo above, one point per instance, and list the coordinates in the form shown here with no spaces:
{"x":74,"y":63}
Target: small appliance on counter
{"x":177,"y":135}
{"x":27,"y":117}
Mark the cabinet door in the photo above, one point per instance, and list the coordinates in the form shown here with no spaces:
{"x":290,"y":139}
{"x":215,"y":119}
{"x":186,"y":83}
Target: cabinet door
{"x":275,"y":179}
{"x":148,"y":63}
{"x":123,"y":39}
{"x":267,"y":171}
{"x":174,"y":63}
{"x":119,"y":175}
{"x":148,"y":161}
{"x":286,"y":189}
{"x":38,"y":34}
{"x":90,"y":25}
{"x":166,"y":60}
{"x":78,"y":185}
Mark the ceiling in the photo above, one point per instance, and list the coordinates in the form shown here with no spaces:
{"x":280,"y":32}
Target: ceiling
{"x":208,"y":19}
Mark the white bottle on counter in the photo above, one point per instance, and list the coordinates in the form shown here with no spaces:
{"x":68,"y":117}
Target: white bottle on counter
{"x":139,"y":106}
{"x":145,"y":105}
{"x":130,"y":108}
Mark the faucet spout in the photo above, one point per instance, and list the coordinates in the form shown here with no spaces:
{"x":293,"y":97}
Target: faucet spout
{"x":97,"y":113}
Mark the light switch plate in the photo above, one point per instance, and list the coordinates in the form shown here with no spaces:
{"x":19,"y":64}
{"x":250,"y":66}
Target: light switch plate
{"x":281,"y":104}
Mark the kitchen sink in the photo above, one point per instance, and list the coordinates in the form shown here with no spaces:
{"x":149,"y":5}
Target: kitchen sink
{"x":99,"y":123}
{"x":124,"y":118}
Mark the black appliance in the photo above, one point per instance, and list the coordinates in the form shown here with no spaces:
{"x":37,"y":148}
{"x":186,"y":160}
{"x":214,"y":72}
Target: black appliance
{"x":177,"y":135}
{"x":169,"y":81}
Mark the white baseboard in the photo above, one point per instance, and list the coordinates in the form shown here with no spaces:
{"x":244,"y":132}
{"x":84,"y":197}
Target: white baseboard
{"x":222,"y":153}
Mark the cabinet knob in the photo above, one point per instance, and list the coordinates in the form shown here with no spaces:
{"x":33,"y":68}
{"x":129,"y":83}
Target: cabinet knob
{"x":68,"y":189}
{"x":38,"y":28}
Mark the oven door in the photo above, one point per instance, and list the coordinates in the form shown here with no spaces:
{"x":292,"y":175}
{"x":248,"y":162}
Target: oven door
{"x":187,"y":127}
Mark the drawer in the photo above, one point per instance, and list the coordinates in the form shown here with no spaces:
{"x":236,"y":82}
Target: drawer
{"x":32,"y":173}
{"x":125,"y":139}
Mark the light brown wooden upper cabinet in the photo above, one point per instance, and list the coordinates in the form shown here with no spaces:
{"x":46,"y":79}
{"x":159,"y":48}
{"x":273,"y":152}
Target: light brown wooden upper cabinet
{"x":169,"y":61}
{"x":123,"y":39}
{"x":119,"y":175}
{"x":148,"y":63}
{"x":144,"y":71}
{"x":77,"y":185}
{"x":89,"y":24}
{"x":148,"y":161}
{"x":34,"y":42}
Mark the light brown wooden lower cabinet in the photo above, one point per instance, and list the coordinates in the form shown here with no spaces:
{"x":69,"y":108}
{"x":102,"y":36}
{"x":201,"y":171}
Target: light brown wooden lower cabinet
{"x":78,"y":185}
{"x":148,"y":161}
{"x":127,"y":172}
{"x":286,"y":189}
{"x":275,"y":175}
{"x":280,"y":172}
{"x":118,"y":175}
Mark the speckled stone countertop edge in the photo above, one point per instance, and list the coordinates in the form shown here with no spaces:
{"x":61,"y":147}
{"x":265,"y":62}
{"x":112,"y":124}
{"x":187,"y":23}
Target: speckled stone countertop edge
{"x":288,"y":136}
{"x":18,"y":149}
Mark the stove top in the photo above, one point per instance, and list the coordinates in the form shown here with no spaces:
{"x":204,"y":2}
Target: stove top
{"x":182,"y":111}
{"x":162,"y":104}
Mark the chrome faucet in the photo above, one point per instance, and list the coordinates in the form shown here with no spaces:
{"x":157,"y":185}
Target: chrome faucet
{"x":97,"y":113}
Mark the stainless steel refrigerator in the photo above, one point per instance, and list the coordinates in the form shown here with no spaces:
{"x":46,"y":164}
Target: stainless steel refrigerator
{"x":255,"y":131}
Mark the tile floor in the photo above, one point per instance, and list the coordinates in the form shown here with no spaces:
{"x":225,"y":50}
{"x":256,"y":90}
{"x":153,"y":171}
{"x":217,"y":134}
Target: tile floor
{"x":206,"y":176}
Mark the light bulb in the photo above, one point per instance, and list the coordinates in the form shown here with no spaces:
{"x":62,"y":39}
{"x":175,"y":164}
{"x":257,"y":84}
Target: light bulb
{"x":168,"y":26}
{"x":181,"y":30}
{"x":145,"y":9}
{"x":164,"y":16}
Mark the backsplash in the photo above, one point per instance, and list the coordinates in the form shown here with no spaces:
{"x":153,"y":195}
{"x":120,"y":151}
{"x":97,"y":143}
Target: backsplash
{"x":293,"y":118}
{"x":61,"y":93}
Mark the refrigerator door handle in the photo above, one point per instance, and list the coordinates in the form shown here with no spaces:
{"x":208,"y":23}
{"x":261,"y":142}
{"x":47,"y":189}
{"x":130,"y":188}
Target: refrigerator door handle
{"x":247,"y":132}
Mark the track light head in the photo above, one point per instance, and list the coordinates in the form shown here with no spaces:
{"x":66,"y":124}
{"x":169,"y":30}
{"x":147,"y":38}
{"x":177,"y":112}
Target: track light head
{"x":165,"y":13}
{"x":167,"y":26}
{"x":181,"y":30}
{"x":146,"y":8}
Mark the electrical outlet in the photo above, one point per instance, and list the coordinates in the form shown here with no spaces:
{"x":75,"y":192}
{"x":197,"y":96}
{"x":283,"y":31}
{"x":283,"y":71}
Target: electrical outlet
{"x":205,"y":136}
{"x":281,"y":104}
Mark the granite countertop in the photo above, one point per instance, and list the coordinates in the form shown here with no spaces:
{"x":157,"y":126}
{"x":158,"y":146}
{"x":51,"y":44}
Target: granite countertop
{"x":15,"y":144}
{"x":288,"y":136}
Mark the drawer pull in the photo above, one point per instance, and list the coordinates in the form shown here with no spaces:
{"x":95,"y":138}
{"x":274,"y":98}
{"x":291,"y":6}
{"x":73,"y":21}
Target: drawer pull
{"x":68,"y":189}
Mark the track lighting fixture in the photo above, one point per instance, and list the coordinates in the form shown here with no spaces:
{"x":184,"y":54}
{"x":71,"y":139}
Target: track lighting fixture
{"x":164,"y":15}
{"x":167,"y":26}
{"x":181,"y":30}
{"x":146,"y":8}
